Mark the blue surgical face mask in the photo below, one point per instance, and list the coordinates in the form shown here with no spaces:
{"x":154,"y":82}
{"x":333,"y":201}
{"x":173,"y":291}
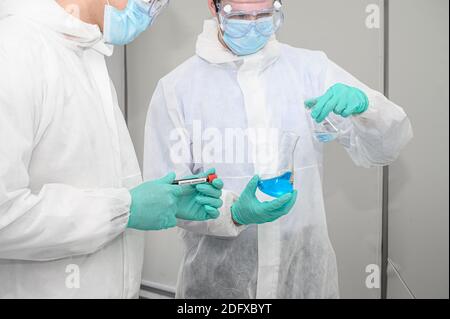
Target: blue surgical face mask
{"x":254,"y":40}
{"x":123,"y":26}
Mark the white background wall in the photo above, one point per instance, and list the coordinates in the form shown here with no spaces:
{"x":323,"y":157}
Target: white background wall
{"x":418,"y":78}
{"x":353,"y":195}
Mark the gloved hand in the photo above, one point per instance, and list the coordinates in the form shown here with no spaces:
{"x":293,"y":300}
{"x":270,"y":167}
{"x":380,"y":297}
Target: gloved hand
{"x":341,"y":99}
{"x":201,"y":202}
{"x":249,"y":210}
{"x":154,"y":204}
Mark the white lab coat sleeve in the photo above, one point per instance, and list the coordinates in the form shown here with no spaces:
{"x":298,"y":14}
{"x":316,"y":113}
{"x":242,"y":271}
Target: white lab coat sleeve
{"x":376,"y":137}
{"x":168,"y":149}
{"x":56,"y":220}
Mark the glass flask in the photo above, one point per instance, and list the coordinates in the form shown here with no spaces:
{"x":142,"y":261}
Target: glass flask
{"x":325,"y":131}
{"x":282,"y":180}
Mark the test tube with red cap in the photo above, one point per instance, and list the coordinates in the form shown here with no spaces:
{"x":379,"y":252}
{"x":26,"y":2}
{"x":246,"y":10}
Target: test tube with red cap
{"x":196,"y":180}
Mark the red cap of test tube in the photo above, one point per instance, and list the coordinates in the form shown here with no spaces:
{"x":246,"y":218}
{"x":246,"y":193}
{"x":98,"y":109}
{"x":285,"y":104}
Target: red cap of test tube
{"x":211,"y":178}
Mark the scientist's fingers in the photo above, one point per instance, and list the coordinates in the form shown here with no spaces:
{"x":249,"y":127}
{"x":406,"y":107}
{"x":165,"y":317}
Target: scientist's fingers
{"x":310,"y":103}
{"x":210,"y":201}
{"x":277,"y":203}
{"x":340,"y":107}
{"x":252,"y":185}
{"x":212,"y":212}
{"x":209,"y":190}
{"x":327,"y":109}
{"x":317,"y":110}
{"x":208,"y":172}
{"x":176,"y":190}
{"x":218,"y":183}
{"x":168,"y":179}
{"x":288,"y":206}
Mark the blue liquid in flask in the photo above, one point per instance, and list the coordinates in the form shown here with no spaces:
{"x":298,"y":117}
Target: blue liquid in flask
{"x":326,"y":137}
{"x":326,"y":131}
{"x":277,"y":186}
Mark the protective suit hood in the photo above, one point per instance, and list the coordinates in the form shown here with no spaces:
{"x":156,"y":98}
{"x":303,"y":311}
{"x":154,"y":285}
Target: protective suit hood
{"x":209,"y":48}
{"x":74,"y":32}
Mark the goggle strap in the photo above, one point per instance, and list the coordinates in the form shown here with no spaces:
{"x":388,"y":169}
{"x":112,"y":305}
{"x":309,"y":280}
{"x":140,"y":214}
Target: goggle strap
{"x":217,"y":4}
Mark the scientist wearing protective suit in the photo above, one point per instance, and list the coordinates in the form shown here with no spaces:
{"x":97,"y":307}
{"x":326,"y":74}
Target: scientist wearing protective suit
{"x":71,"y":198}
{"x":242,"y":77}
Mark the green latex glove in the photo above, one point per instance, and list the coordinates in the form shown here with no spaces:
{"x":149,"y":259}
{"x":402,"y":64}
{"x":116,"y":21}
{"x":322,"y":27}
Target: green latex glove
{"x":154,"y":204}
{"x":249,"y":210}
{"x":201,"y":202}
{"x":341,"y":99}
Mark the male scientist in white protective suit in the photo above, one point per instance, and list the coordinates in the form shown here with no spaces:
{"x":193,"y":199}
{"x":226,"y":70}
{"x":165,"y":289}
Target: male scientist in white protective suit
{"x":71,"y":195}
{"x":241,"y":77}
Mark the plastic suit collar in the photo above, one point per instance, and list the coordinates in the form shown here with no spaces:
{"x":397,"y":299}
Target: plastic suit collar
{"x":74,"y":32}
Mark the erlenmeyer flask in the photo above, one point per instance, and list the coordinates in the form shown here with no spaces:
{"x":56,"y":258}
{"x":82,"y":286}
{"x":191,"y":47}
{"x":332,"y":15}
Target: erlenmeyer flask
{"x":281,"y":181}
{"x":326,"y":131}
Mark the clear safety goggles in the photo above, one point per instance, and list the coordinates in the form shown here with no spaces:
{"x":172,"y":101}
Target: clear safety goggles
{"x":265,"y":21}
{"x":156,"y":6}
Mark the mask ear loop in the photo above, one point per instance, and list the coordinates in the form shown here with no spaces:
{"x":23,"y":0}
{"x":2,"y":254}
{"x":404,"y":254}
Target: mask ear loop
{"x":228,"y":8}
{"x":219,"y":23}
{"x":221,"y":33}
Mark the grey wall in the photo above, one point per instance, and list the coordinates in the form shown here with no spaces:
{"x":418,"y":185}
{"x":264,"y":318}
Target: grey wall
{"x":116,"y":70}
{"x":418,"y":79}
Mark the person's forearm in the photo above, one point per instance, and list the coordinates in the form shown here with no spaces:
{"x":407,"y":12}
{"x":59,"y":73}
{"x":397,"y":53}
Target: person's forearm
{"x":61,"y":221}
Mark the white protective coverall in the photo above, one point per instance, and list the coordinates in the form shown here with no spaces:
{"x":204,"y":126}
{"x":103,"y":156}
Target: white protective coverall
{"x":66,"y":161}
{"x":292,"y":257}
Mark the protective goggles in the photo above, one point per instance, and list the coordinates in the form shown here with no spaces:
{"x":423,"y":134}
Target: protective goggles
{"x":265,"y":21}
{"x":156,"y":6}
